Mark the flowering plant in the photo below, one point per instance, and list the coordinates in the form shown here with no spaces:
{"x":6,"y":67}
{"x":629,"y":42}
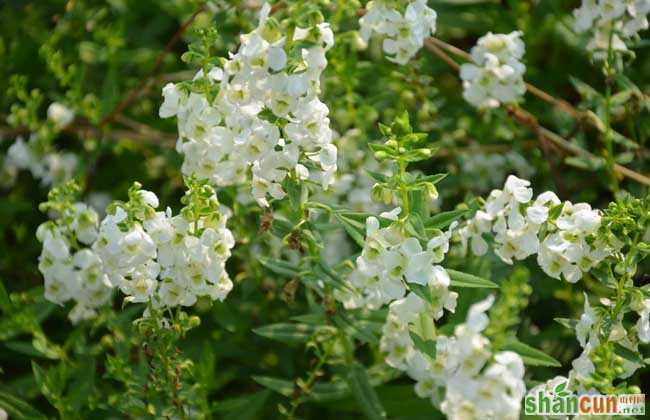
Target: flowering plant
{"x":321,"y":209}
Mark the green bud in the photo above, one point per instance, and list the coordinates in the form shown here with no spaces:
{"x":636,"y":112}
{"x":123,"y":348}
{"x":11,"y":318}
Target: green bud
{"x":387,"y":196}
{"x":381,"y":155}
{"x":358,"y":43}
{"x":392,"y":143}
{"x":194,"y":321}
{"x":633,"y":389}
{"x":408,"y":97}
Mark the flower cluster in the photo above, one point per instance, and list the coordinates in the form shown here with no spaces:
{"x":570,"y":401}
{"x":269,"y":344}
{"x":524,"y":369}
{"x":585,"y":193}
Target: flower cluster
{"x":168,"y":260}
{"x":496,"y":75}
{"x":570,"y":246}
{"x":60,"y":115}
{"x":472,"y":385}
{"x":613,"y":22}
{"x":389,"y":260}
{"x":71,"y":270}
{"x":397,"y":342}
{"x":151,"y":256}
{"x":598,"y":364}
{"x":405,"y":29}
{"x":50,"y":167}
{"x":259,"y":111}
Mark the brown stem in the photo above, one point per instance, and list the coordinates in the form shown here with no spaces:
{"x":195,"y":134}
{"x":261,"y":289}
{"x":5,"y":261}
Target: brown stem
{"x":527,"y":119}
{"x":534,"y":90}
{"x":134,"y":93}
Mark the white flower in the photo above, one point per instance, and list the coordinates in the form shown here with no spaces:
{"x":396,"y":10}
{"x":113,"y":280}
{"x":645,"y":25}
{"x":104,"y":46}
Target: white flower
{"x":585,"y":325}
{"x":496,"y":74}
{"x":391,"y":215}
{"x":228,"y":141}
{"x":60,"y":115}
{"x":85,"y":223}
{"x":405,"y":34}
{"x":622,"y":19}
{"x":61,"y":283}
{"x":172,"y":96}
{"x":570,"y":246}
{"x":472,"y":233}
{"x":149,"y":198}
{"x":643,"y":324}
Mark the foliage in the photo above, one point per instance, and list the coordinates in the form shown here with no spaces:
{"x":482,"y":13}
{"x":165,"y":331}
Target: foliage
{"x":315,"y":218}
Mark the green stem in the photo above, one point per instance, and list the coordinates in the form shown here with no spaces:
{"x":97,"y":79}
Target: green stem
{"x":304,"y":390}
{"x":404,"y":194}
{"x":609,"y":147}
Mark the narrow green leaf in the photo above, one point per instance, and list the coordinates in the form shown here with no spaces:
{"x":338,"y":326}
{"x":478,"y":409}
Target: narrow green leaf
{"x":460,"y":279}
{"x":419,"y":204}
{"x":566,"y":322}
{"x":444,"y":219}
{"x":26,"y":349}
{"x":17,"y":408}
{"x":530,"y":355}
{"x":290,"y":333}
{"x":348,"y":325}
{"x":296,"y":192}
{"x":427,"y":347}
{"x":284,"y":268}
{"x":422,"y":291}
{"x":5,"y":302}
{"x":352,"y":229}
{"x":83,"y":383}
{"x":243,"y":408}
{"x":377,"y":176}
{"x":364,"y":393}
{"x":433,"y":179}
{"x":628,"y":354}
{"x":281,"y":227}
{"x":281,"y":386}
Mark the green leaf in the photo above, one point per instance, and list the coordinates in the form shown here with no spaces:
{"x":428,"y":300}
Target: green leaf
{"x":281,"y":227}
{"x":530,"y":355}
{"x":247,"y":407}
{"x":585,"y":91}
{"x":296,"y":192}
{"x":460,"y":279}
{"x":419,"y":204}
{"x":323,"y":273}
{"x":422,"y":291}
{"x":364,"y":393}
{"x":427,"y":347}
{"x":349,"y":326}
{"x":356,"y":232}
{"x":26,"y":349}
{"x":444,"y":219}
{"x":18,"y":408}
{"x":290,"y":333}
{"x":82,"y":386}
{"x":283,"y":268}
{"x":42,"y":381}
{"x":415,"y":226}
{"x":333,"y":391}
{"x":5,"y":302}
{"x":377,"y":176}
{"x":566,"y":322}
{"x":281,"y":386}
{"x":628,"y":354}
{"x":432,"y":179}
